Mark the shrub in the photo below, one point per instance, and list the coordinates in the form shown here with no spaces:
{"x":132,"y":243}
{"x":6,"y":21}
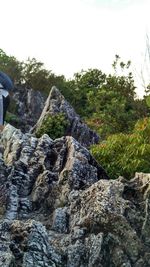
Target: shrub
{"x":53,"y":125}
{"x":125,"y":154}
{"x":12,"y":119}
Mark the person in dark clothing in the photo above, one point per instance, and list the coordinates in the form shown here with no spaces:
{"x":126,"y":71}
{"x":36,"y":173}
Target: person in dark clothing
{"x":6,"y":85}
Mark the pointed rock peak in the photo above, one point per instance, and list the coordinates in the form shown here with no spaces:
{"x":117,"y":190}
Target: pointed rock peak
{"x":55,"y":93}
{"x":59,"y":117}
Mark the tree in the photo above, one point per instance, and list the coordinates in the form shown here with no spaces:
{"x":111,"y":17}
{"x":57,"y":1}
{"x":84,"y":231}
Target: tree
{"x":108,"y":103}
{"x":11,"y":66}
{"x":35,"y":76}
{"x":92,"y":78}
{"x":39,"y":78}
{"x":113,"y":101}
{"x":76,"y":90}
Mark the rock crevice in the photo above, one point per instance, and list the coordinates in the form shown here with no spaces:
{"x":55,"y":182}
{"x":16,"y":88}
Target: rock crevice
{"x":58,"y":207}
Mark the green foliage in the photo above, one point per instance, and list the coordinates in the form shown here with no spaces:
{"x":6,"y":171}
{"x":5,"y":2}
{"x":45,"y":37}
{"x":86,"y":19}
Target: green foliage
{"x":125,"y":154}
{"x":11,"y":66}
{"x":92,"y":78}
{"x":53,"y":125}
{"x":148,"y":100}
{"x":107,"y":103}
{"x":31,"y":73}
{"x":113,"y":104}
{"x":76,"y":90}
{"x":141,"y":108}
{"x":38,"y":78}
{"x":12,"y":119}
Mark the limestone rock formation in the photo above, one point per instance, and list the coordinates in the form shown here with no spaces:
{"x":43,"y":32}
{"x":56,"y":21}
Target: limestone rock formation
{"x":58,"y":207}
{"x":76,"y":128}
{"x":27,"y":105}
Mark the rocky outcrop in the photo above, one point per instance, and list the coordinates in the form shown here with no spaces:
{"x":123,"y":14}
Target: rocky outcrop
{"x":76,"y":128}
{"x":27,"y":105}
{"x":30,"y":108}
{"x":58,"y":207}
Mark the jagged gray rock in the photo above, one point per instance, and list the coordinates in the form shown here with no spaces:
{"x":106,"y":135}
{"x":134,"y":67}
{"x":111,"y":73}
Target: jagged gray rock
{"x":27,"y":104}
{"x":76,"y":128}
{"x":58,"y":207}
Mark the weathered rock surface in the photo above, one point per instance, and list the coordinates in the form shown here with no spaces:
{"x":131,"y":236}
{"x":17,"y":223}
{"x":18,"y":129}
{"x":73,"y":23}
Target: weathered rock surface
{"x":58,"y":207}
{"x":76,"y":128}
{"x":27,"y":104}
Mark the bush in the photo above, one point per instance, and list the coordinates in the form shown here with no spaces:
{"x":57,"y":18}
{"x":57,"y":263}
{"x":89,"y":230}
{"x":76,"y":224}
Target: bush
{"x":53,"y":125}
{"x":12,"y":119}
{"x":125,"y":154}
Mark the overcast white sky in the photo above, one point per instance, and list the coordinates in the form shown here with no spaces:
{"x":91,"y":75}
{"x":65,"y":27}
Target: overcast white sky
{"x":70,"y":35}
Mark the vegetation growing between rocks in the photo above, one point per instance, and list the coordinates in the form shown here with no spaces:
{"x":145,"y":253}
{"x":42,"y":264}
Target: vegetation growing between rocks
{"x":12,"y":119}
{"x":106,"y":102}
{"x":125,"y":154}
{"x":54,"y":126}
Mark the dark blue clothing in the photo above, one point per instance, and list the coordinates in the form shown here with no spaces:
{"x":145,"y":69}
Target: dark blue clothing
{"x":7,"y":85}
{"x":6,"y":101}
{"x":6,"y":81}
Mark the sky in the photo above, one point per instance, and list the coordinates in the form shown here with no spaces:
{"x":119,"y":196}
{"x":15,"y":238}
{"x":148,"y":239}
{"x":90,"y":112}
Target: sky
{"x":71,"y":35}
